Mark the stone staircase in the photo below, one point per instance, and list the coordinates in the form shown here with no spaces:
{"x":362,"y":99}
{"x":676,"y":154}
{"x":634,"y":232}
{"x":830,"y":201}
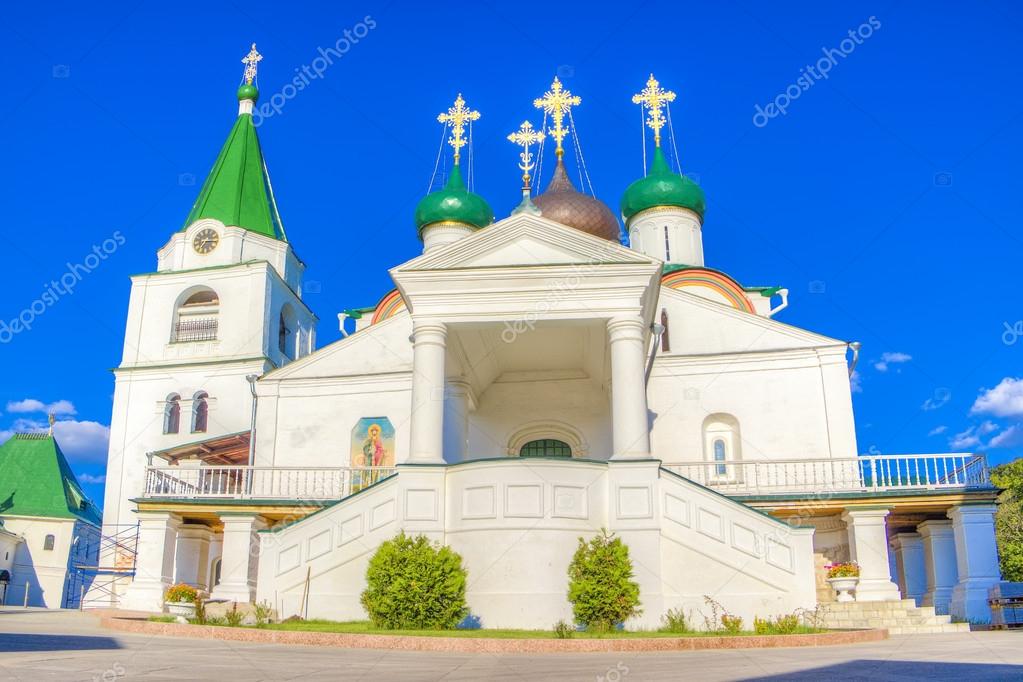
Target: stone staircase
{"x":902,"y":617}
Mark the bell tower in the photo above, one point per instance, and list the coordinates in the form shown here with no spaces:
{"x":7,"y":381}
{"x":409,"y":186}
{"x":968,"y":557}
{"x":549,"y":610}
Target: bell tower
{"x":224,"y":304}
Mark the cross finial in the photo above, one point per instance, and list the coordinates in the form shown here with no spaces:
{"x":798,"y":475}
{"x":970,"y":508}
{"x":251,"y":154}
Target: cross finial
{"x":557,"y":102}
{"x":525,"y":137}
{"x":458,"y":115}
{"x":53,"y":419}
{"x":250,"y":60}
{"x":654,"y":97}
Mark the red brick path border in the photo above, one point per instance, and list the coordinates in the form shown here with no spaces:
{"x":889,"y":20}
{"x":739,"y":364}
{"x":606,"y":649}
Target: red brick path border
{"x":489,"y":645}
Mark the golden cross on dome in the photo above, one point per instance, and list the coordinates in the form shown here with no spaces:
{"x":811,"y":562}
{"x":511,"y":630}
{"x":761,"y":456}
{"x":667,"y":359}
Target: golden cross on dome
{"x":458,"y":116}
{"x":557,"y":102}
{"x":525,"y":137}
{"x":250,"y":60}
{"x":654,"y":97}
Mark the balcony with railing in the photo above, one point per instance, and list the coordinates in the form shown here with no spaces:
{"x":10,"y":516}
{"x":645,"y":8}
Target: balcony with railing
{"x":867,"y":474}
{"x":195,"y":329}
{"x":260,"y":483}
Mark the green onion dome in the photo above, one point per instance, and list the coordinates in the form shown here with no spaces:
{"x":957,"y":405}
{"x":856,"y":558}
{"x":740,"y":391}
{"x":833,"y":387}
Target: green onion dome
{"x":453,"y":204}
{"x":248,"y":91}
{"x":662,"y":187}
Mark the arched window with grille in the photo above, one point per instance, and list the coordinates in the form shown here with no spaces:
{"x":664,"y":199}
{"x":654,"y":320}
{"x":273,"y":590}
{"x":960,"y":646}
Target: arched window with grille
{"x":172,"y":413}
{"x":546,"y":447}
{"x":197,"y":316}
{"x":200,"y":412}
{"x":49,"y":542}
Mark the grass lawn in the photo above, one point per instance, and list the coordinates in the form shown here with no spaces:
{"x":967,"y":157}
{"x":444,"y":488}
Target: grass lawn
{"x":366,"y":628}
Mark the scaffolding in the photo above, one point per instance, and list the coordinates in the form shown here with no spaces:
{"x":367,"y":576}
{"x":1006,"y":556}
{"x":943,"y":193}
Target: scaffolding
{"x":100,"y":585}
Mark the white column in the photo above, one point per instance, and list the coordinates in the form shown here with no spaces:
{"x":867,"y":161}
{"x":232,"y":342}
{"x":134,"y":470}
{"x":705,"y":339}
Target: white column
{"x":939,"y":563}
{"x":192,"y":556}
{"x":241,"y":557}
{"x":154,"y":561}
{"x":909,"y":563}
{"x":630,"y":429}
{"x":868,"y":546}
{"x":976,"y":559}
{"x":456,"y":420}
{"x":427,"y":422}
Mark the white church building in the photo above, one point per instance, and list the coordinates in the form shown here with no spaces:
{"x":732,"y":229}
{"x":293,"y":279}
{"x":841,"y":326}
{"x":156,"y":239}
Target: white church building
{"x":528,"y":381}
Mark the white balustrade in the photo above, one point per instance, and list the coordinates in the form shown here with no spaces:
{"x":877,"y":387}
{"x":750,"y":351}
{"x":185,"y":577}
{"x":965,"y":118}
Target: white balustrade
{"x":260,"y":483}
{"x":871,"y":473}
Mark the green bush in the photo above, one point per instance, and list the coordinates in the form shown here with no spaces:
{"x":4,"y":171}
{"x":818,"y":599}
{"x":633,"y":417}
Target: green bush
{"x":732,"y":625}
{"x":600,"y":585}
{"x":563,"y":630}
{"x":234,"y":617}
{"x":782,"y":625}
{"x":674,"y":620}
{"x":414,"y":585}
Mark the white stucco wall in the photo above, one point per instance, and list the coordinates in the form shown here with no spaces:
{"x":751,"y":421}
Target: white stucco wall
{"x":45,"y":570}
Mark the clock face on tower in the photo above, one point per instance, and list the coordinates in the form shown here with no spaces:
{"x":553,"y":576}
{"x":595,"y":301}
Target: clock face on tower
{"x":205,"y":240}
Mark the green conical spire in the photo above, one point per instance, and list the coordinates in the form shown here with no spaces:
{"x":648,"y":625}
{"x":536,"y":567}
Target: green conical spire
{"x":662,"y":187}
{"x":237,"y":191}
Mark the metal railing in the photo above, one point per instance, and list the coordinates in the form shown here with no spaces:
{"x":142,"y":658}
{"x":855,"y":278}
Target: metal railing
{"x":873,"y":473}
{"x":203,"y":329}
{"x":262,"y":483}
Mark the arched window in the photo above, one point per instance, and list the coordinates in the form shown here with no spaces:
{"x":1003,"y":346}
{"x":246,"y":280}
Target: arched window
{"x":667,"y":245}
{"x":48,"y":542}
{"x":172,"y":413}
{"x":721,"y":444}
{"x":200,"y":412}
{"x":545,"y":447}
{"x":197,"y":316}
{"x":216,"y":573}
{"x":287,"y":341}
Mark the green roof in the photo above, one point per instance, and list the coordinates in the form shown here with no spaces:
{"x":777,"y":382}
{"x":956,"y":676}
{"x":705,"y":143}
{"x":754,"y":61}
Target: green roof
{"x":237,"y":191}
{"x":453,"y":204}
{"x":36,"y":480}
{"x":662,"y":187}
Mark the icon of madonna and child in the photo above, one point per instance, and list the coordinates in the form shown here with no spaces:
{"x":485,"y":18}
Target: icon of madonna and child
{"x":372,"y":447}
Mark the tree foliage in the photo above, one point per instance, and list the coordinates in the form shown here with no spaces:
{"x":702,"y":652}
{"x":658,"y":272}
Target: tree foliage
{"x":600,"y":586}
{"x":1009,"y":519}
{"x":413,"y":584}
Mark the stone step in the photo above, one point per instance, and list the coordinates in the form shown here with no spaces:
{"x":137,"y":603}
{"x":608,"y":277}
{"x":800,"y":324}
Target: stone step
{"x":898,"y":617}
{"x":930,"y":629}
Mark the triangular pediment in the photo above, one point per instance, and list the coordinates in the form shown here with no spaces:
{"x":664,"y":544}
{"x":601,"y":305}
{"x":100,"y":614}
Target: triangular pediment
{"x":525,"y":240}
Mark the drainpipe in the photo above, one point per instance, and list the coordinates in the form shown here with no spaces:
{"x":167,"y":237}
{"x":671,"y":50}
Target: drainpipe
{"x":855,"y":347}
{"x":251,"y":378}
{"x":657,"y":330}
{"x":784,"y":293}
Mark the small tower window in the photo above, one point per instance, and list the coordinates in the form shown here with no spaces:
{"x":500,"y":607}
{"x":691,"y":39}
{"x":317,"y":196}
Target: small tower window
{"x":546,"y":447}
{"x":172,"y":414}
{"x":667,"y":245}
{"x":287,"y":340}
{"x":48,"y":542}
{"x":200,"y":412}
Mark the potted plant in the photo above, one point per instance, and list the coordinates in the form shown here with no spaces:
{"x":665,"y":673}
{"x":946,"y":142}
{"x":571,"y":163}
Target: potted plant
{"x":180,"y":600}
{"x":843,"y":579}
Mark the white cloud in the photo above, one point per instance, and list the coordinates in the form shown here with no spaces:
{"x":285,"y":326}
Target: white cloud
{"x":891,"y":359}
{"x":29,"y":405}
{"x":81,"y":441}
{"x":965,"y":439}
{"x":1004,"y":400}
{"x":855,"y":382}
{"x":987,"y":427}
{"x":937,"y":430}
{"x":89,"y":478}
{"x":1010,"y":437}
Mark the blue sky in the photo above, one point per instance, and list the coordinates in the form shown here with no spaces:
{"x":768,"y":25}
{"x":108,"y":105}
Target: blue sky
{"x":885,"y":197}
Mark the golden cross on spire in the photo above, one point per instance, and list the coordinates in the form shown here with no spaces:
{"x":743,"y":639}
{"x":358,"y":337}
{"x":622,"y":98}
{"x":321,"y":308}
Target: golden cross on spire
{"x":250,"y":60}
{"x":525,"y":137}
{"x":458,"y":116}
{"x":654,"y":98}
{"x":557,"y":102}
